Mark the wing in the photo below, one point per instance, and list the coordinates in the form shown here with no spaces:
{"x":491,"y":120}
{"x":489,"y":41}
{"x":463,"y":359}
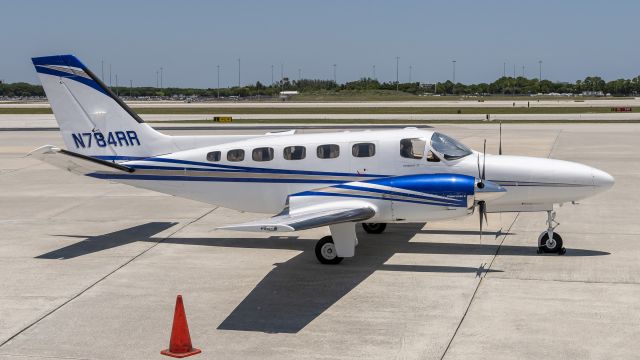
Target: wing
{"x":74,"y":162}
{"x":331,"y":213}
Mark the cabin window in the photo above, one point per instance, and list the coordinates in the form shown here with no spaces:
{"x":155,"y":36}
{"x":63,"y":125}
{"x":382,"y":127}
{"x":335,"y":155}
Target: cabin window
{"x":363,"y":150}
{"x":412,"y":148}
{"x":295,"y":152}
{"x":329,"y":151}
{"x":262,"y":154}
{"x":213,"y":156}
{"x":235,"y":155}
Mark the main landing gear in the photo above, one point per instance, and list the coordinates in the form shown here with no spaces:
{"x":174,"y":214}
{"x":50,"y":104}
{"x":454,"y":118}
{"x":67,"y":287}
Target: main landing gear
{"x":343,"y":241}
{"x":326,"y":251}
{"x":374,"y":228}
{"x":550,"y":241}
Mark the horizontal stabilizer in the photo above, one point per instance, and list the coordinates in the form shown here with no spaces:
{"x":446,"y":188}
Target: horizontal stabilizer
{"x":74,"y":162}
{"x":303,"y":220}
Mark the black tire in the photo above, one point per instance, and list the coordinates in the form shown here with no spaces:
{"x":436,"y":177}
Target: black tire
{"x":374,"y":228}
{"x":553,"y":246}
{"x":326,"y":251}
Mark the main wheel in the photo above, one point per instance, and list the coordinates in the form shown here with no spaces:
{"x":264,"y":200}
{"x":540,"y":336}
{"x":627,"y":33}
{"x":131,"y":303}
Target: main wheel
{"x":326,"y":251}
{"x":374,"y":228}
{"x":554,"y":245}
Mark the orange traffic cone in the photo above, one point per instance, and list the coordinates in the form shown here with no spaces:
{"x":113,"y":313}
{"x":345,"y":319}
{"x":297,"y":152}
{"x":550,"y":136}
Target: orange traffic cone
{"x":180,"y":343}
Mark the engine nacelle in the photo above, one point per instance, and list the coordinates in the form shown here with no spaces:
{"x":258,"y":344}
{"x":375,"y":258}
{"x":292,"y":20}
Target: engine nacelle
{"x":410,"y":198}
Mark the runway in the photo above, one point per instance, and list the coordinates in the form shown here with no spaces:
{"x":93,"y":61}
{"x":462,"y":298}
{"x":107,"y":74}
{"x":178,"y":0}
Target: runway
{"x":42,"y":121}
{"x":448,"y":101}
{"x":90,"y":269}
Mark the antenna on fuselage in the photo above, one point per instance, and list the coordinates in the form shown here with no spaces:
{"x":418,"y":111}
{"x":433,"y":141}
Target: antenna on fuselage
{"x":500,"y":137}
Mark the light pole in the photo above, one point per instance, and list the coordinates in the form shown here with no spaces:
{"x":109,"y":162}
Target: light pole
{"x":410,"y":68}
{"x":161,"y":77}
{"x":374,"y":72}
{"x":299,"y":74}
{"x":397,"y":73}
{"x":157,"y":78}
{"x":454,"y":71}
{"x":238,"y":72}
{"x":117,"y":85}
{"x":539,"y":70}
{"x":218,"y":88}
{"x":335,"y":79}
{"x":504,"y":69}
{"x":271,"y":75}
{"x":513,"y":89}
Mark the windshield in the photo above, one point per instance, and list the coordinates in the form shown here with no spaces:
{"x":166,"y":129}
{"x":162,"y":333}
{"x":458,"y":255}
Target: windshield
{"x":450,"y":148}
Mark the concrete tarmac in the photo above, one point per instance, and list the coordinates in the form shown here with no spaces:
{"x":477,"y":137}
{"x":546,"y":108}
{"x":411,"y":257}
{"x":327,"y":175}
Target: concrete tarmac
{"x":90,"y":270}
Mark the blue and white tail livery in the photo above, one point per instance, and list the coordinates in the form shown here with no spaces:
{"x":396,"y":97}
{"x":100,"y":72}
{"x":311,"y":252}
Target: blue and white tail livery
{"x":334,"y":179}
{"x":93,"y":120}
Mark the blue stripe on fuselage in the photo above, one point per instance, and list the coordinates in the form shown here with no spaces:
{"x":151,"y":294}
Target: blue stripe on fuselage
{"x":255,"y":169}
{"x":206,"y":178}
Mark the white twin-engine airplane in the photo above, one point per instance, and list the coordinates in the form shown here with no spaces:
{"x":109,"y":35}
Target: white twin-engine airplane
{"x":338,"y":179}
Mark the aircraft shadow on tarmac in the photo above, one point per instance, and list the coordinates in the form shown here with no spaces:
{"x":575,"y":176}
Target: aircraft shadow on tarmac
{"x":297,"y":291}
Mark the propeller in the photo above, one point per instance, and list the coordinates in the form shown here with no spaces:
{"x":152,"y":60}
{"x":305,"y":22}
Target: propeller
{"x":482,"y":206}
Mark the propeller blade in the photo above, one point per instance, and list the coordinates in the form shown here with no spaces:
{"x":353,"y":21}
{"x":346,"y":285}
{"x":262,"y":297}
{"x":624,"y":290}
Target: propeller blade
{"x":479,"y":173}
{"x":480,"y":211}
{"x":484,"y":158}
{"x":484,"y":211}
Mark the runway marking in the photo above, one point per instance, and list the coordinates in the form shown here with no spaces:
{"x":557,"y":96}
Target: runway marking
{"x":104,"y":277}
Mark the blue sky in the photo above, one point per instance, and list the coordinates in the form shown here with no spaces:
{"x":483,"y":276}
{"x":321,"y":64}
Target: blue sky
{"x":189,"y":38}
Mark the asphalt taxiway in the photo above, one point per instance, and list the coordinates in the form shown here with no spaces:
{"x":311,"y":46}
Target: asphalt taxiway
{"x":90,"y":269}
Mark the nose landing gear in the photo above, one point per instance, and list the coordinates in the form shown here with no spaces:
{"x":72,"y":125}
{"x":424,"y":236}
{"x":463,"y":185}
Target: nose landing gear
{"x":550,"y":241}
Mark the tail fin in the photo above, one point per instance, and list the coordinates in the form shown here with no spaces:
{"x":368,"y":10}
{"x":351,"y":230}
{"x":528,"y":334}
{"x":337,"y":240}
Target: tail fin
{"x":92,"y":119}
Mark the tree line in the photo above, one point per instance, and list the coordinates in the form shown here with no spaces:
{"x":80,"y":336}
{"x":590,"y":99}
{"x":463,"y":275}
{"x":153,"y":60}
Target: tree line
{"x":502,"y":86}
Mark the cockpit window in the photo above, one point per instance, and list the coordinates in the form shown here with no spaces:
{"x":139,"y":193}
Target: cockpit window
{"x":450,"y":148}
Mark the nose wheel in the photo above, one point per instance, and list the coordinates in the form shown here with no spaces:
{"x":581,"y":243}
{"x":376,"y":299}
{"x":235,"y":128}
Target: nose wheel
{"x":550,"y":241}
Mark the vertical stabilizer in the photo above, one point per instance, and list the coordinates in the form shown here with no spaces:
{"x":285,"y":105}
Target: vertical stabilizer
{"x":92,"y":119}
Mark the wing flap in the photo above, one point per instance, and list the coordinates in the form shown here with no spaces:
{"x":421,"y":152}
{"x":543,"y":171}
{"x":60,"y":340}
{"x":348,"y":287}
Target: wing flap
{"x":74,"y":162}
{"x":303,"y":220}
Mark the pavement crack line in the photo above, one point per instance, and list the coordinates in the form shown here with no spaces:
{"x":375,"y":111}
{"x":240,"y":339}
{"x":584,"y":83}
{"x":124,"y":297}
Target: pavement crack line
{"x":555,"y":143}
{"x":104,"y":277}
{"x":473,"y":296}
{"x":475,"y":291}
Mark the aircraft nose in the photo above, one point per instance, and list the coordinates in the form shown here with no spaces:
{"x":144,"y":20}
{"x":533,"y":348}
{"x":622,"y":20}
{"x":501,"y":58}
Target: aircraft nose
{"x":487,"y":190}
{"x":602,"y":179}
